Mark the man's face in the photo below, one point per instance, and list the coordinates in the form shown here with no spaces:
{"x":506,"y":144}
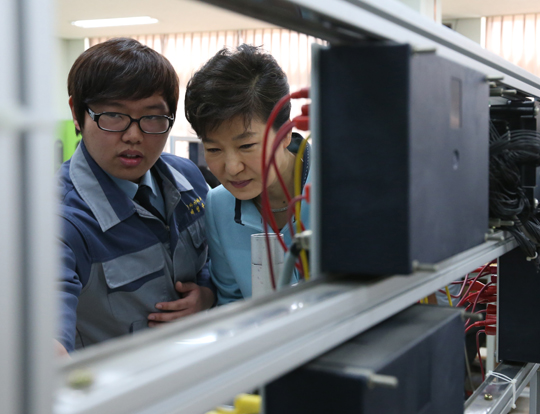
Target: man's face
{"x":130,"y":154}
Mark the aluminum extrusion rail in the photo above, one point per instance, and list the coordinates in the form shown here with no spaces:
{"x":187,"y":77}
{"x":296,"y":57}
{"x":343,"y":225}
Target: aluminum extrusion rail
{"x":202,"y":361}
{"x":355,"y":21}
{"x":495,"y":396}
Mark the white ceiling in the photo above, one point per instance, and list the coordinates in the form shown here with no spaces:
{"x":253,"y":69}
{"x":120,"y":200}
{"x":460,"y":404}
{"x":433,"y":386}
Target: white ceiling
{"x":174,"y":16}
{"x":192,"y":16}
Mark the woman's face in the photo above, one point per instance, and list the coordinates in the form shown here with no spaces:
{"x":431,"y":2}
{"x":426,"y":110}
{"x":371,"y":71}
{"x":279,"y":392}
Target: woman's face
{"x":233,"y":154}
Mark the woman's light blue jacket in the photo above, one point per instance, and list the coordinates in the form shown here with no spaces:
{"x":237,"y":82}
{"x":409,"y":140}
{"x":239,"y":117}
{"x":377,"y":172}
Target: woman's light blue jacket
{"x":229,"y":226}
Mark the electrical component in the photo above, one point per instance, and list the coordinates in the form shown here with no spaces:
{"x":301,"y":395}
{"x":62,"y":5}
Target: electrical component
{"x":514,"y":160}
{"x":517,"y":309}
{"x":401,"y":141}
{"x":411,"y":363}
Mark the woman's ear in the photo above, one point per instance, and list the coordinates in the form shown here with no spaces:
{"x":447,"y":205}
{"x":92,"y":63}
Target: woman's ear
{"x":72,"y":107}
{"x":287,"y":141}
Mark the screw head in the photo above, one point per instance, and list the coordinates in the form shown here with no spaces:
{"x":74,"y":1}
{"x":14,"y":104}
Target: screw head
{"x":488,"y":397}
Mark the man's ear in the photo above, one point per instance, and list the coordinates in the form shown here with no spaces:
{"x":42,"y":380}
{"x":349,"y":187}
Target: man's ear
{"x":77,"y":126}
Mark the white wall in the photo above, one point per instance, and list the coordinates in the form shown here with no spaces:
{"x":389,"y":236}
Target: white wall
{"x":471,"y":28}
{"x":428,"y":8}
{"x":67,"y":52}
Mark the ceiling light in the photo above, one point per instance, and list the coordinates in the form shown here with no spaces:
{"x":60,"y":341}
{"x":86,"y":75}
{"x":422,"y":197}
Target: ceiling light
{"x":123,"y":21}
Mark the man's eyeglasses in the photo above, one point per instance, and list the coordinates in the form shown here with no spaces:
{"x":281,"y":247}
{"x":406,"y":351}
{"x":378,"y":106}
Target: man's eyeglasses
{"x":116,"y":122}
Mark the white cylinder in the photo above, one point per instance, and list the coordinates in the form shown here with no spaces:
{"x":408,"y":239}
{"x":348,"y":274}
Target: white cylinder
{"x":260,"y":270}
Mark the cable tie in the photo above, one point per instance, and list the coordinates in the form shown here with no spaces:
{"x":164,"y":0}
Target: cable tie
{"x":532,"y":257}
{"x":507,"y":379}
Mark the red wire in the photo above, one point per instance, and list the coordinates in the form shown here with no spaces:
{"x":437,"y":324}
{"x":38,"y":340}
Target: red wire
{"x":463,"y":284}
{"x":269,"y":124}
{"x":266,"y":210}
{"x":462,"y":287}
{"x":265,"y":215}
{"x":265,"y":201}
{"x":476,"y":300}
{"x":474,"y":325}
{"x":462,"y":301}
{"x":280,"y":136}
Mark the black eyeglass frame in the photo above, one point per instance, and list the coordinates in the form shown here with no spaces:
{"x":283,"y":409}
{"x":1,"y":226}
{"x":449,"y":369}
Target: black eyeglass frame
{"x":95,"y":118}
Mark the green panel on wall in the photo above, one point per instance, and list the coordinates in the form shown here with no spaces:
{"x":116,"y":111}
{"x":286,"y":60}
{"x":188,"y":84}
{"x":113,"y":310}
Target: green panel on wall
{"x":67,"y":142}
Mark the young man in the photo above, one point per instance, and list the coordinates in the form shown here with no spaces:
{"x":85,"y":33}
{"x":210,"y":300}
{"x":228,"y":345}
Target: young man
{"x":133,"y":241}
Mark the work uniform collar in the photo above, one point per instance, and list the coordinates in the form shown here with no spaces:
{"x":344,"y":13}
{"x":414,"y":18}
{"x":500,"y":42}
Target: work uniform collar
{"x":109,"y":204}
{"x":130,"y":188}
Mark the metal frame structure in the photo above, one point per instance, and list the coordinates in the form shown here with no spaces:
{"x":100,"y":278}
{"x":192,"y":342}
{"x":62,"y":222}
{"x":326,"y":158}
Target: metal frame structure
{"x":355,"y":21}
{"x":245,"y":345}
{"x":534,"y":394}
{"x":27,"y":237}
{"x":240,"y":347}
{"x":226,"y":350}
{"x":496,"y":397}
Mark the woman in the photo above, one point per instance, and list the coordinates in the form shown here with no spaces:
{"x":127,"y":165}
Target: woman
{"x":228,"y":102}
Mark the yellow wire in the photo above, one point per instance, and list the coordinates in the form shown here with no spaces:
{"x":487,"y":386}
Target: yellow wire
{"x":448,"y":295}
{"x":297,"y":207}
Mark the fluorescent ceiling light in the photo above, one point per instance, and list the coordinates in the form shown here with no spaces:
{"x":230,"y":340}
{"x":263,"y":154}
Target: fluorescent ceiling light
{"x":123,"y":21}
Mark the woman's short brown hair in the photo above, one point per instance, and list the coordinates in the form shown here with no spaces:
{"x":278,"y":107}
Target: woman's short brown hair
{"x":121,"y":69}
{"x":247,"y":82}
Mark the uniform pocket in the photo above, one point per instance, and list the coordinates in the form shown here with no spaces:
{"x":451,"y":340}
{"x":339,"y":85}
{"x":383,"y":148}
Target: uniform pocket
{"x":135,"y":283}
{"x":126,"y":269}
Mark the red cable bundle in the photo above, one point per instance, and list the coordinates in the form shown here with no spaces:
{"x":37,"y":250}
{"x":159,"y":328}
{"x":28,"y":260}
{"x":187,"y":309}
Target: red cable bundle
{"x":484,"y":294}
{"x":301,"y":122}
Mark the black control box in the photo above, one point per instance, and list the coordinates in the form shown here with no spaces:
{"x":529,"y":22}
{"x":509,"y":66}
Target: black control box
{"x":401,"y":140}
{"x":421,"y":348}
{"x":517,"y":308}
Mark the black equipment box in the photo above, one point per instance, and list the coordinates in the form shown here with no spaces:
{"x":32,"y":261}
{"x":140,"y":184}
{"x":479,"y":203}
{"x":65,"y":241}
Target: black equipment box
{"x":518,"y":310}
{"x":403,"y":157}
{"x":422,"y":347}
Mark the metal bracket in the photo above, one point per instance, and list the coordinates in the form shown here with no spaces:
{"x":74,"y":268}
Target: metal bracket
{"x":423,"y":50}
{"x":424,"y":267}
{"x":494,"y":237}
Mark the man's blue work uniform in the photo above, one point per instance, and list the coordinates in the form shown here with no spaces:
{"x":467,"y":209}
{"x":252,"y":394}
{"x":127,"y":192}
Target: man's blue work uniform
{"x":119,"y":260}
